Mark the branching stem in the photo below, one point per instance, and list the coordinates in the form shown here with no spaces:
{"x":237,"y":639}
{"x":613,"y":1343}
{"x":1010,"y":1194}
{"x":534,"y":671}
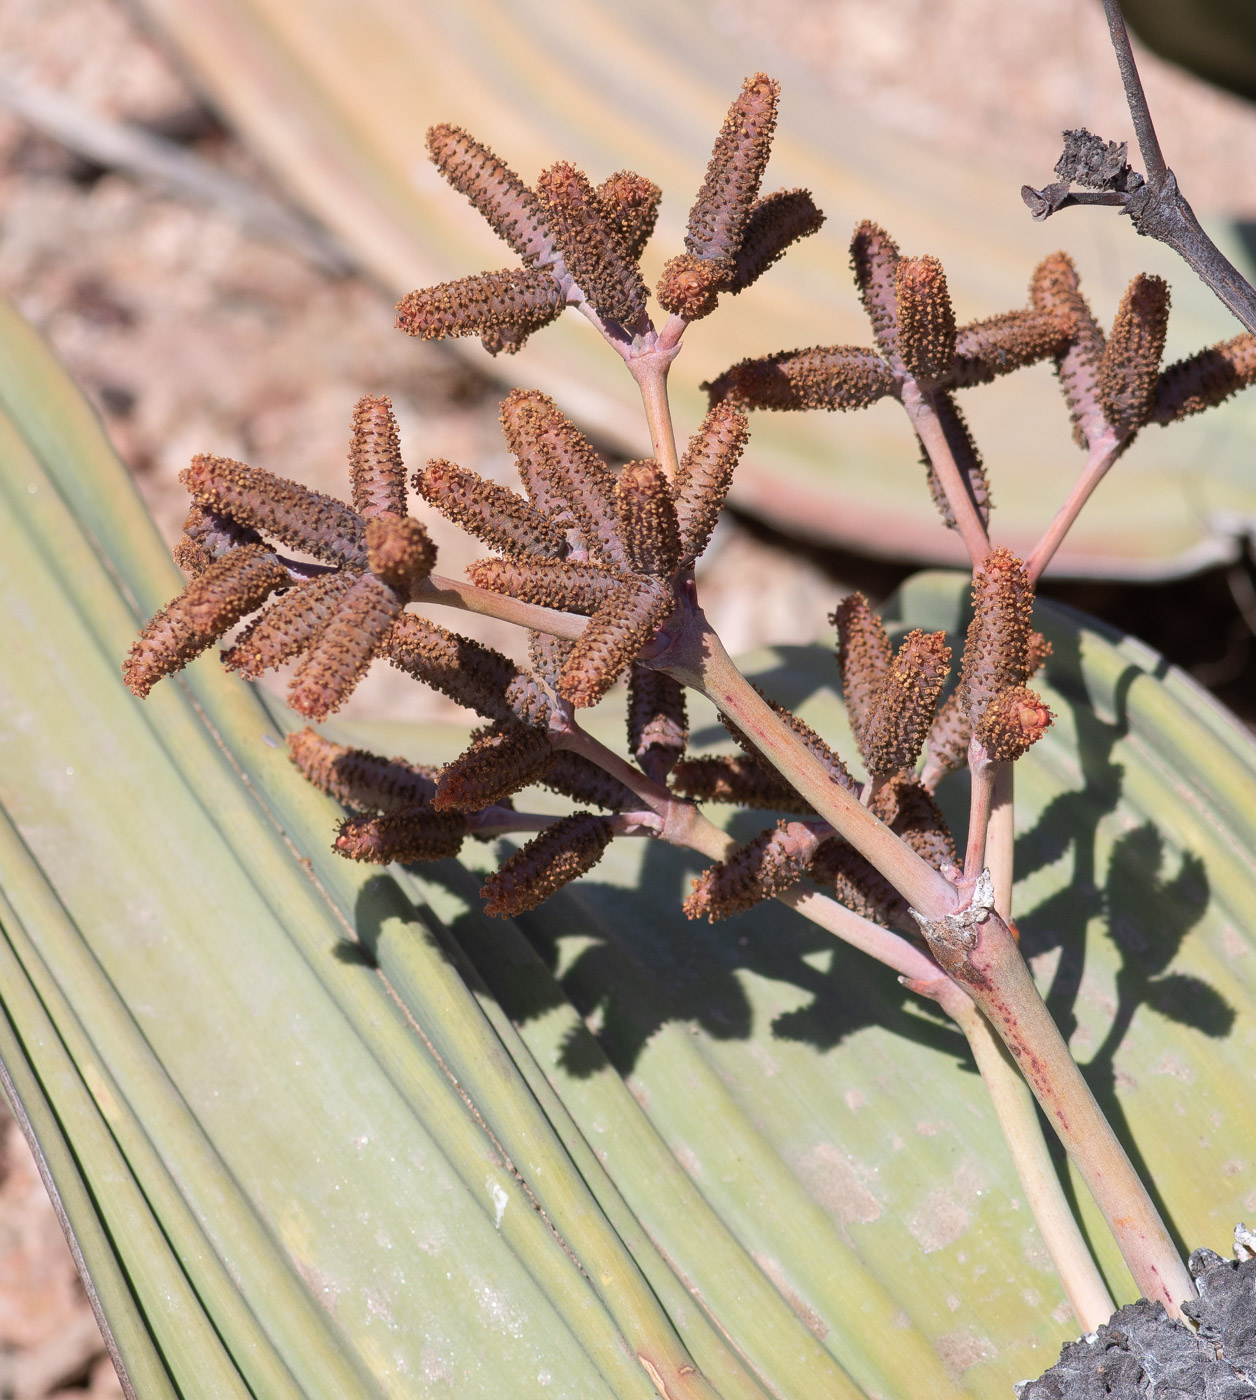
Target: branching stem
{"x":678,"y":820}
{"x":697,"y":658}
{"x":1011,"y":1101}
{"x":988,"y":964}
{"x":650,"y":372}
{"x":685,"y":825}
{"x":1022,"y":1131}
{"x":1103,"y":452}
{"x":1001,"y":838}
{"x":1009,"y":1094}
{"x":1159,"y":209}
{"x":1144,"y":128}
{"x":469,"y":597}
{"x":992,"y":970}
{"x":1173,"y":222}
{"x":887,"y":947}
{"x":1010,"y":1098}
{"x":968,"y":522}
{"x":981,"y":793}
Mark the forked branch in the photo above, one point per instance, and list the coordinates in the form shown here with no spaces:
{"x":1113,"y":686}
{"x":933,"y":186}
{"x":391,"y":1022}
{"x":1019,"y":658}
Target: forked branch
{"x":1155,"y":204}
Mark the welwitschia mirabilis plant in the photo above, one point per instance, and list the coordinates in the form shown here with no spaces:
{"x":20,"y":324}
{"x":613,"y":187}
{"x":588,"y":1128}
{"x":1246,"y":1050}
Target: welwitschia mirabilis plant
{"x":598,"y":567}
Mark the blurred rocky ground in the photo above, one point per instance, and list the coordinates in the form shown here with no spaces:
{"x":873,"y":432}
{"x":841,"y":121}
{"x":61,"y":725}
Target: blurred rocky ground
{"x":995,"y":84}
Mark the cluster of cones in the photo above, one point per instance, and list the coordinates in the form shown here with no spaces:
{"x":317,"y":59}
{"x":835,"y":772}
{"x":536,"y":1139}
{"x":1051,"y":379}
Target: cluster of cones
{"x":616,"y":549}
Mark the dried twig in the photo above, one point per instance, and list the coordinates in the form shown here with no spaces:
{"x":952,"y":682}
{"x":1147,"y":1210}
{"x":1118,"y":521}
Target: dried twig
{"x":1156,"y":206}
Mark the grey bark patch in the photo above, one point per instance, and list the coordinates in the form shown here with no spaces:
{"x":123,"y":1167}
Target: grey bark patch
{"x":1143,"y":1354}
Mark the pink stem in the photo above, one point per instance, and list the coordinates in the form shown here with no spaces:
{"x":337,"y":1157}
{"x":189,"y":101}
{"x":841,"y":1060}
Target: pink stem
{"x":968,"y":520}
{"x":883,"y":944}
{"x":1103,"y":452}
{"x":1022,"y":1131}
{"x":502,"y":821}
{"x":697,"y":658}
{"x":567,"y":734}
{"x":469,"y":597}
{"x":1012,"y":1104}
{"x":650,"y":371}
{"x":1000,"y":838}
{"x":981,"y":793}
{"x":669,"y":336}
{"x":987,"y":963}
{"x":619,"y":338}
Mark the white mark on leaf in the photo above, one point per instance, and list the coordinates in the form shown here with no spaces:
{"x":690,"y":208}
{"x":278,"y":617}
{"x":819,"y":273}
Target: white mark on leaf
{"x":500,"y":1199}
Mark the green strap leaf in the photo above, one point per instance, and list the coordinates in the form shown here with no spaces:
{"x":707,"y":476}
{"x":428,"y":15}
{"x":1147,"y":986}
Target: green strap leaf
{"x":328,"y":1132}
